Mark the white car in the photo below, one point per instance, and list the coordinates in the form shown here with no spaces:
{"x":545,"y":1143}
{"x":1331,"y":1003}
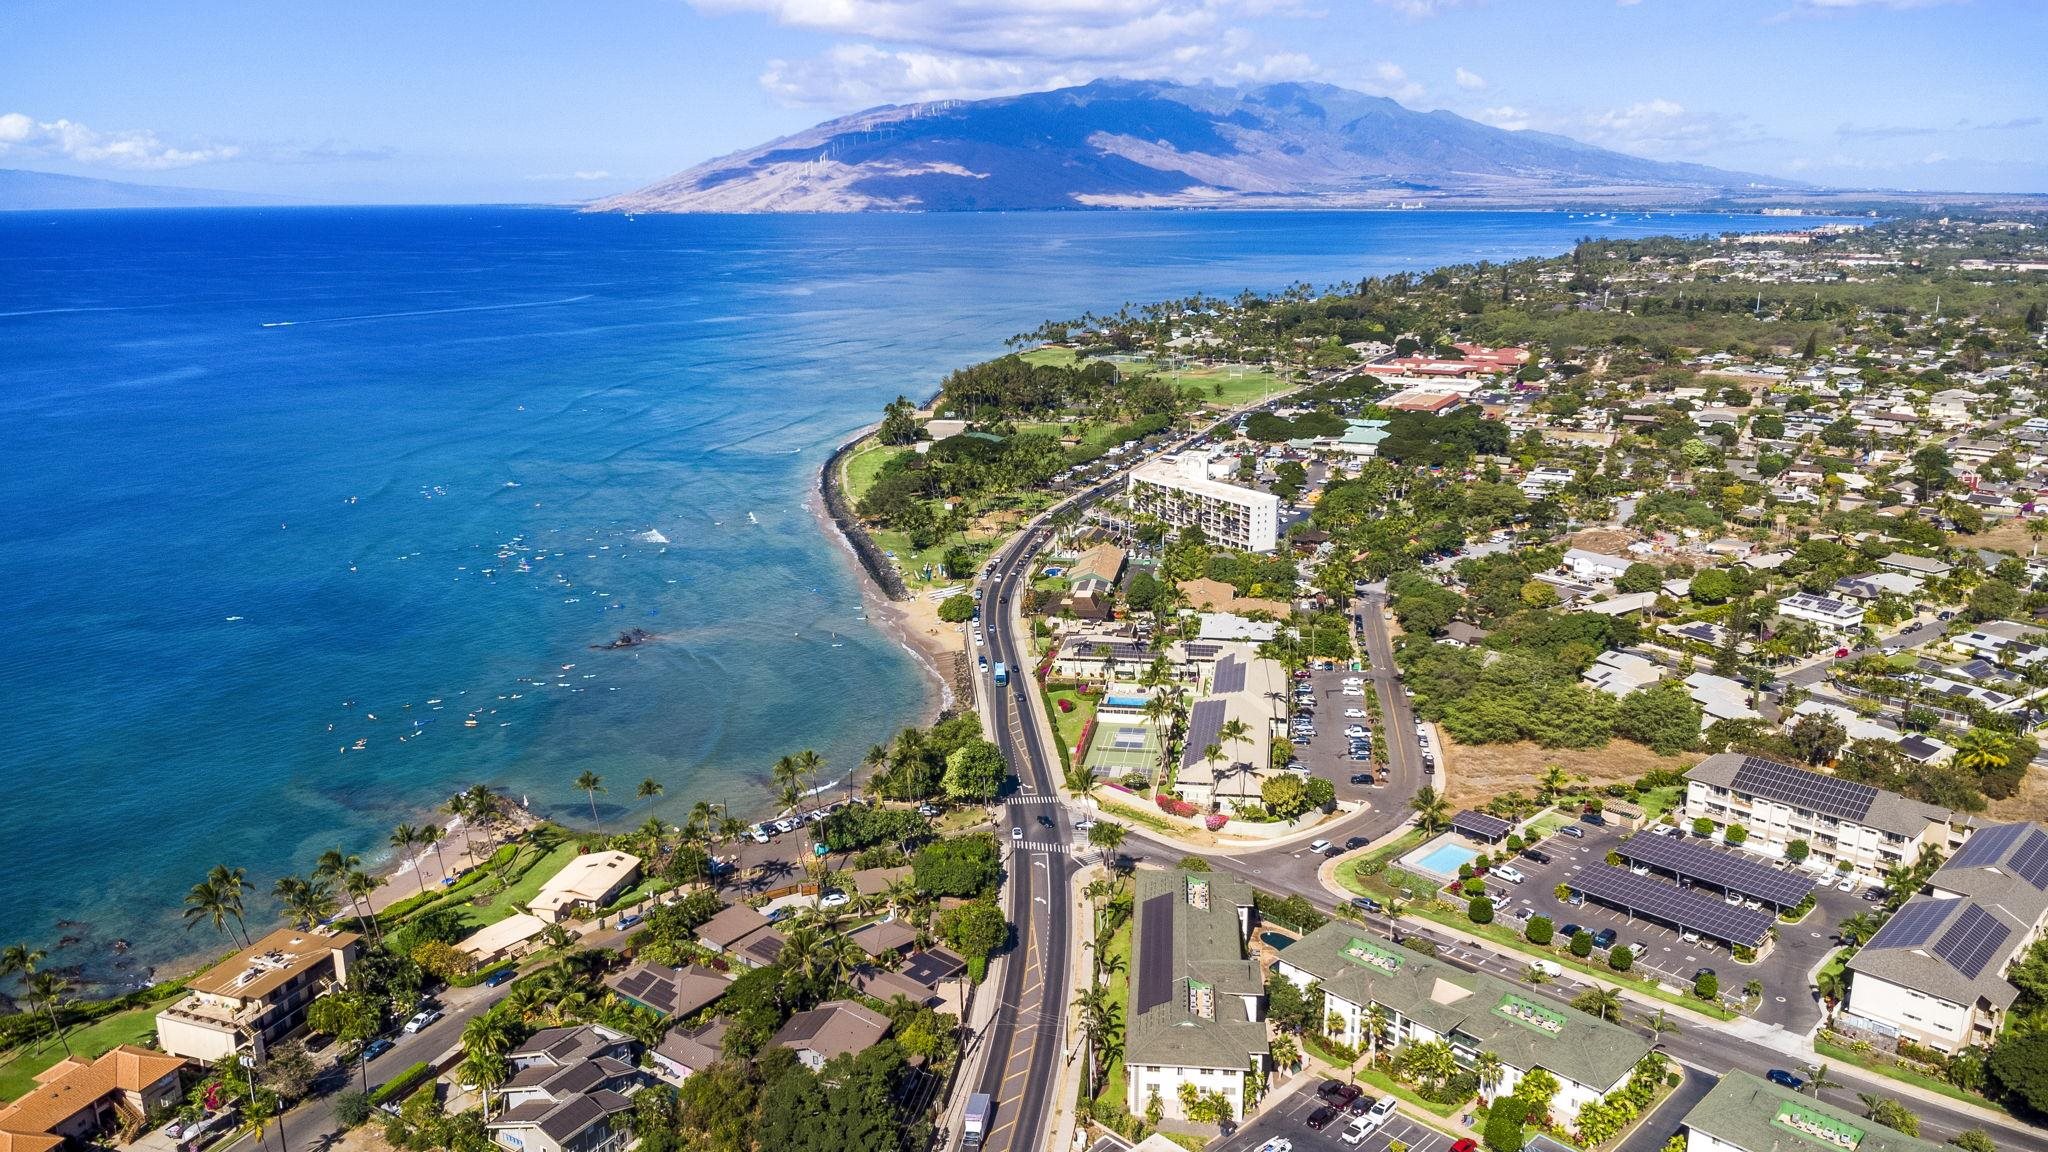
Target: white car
{"x":1356,"y":1131}
{"x":1356,"y":730}
{"x":1353,"y":681}
{"x":1277,"y":1144}
{"x":1319,"y":846}
{"x":1509,"y":873}
{"x":422,"y":1020}
{"x":1354,"y":691}
{"x":1354,"y":713}
{"x":1848,"y":884}
{"x":835,"y":900}
{"x":1890,"y":650}
{"x":1380,"y":1110}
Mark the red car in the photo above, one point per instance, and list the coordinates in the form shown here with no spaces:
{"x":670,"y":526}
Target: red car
{"x":1466,"y":1145}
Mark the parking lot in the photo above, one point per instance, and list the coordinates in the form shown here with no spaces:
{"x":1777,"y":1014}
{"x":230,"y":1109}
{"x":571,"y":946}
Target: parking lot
{"x":1662,"y":951}
{"x":1289,"y":1120}
{"x":1328,"y":753}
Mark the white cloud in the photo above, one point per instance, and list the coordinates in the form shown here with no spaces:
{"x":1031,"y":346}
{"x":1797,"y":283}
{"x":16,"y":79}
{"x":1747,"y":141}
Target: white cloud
{"x":1418,"y":9}
{"x":138,"y":149}
{"x":1505,"y":116}
{"x":895,"y":51}
{"x":1471,"y":81}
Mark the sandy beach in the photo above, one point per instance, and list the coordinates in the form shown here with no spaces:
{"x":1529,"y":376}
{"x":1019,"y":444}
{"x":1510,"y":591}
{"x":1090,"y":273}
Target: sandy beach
{"x":459,"y":849}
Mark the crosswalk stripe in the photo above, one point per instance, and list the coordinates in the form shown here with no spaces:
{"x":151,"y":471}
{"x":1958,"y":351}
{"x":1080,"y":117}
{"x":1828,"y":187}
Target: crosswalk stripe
{"x":1034,"y":800}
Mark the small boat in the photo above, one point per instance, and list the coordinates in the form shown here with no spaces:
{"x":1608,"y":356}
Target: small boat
{"x":362,"y":744}
{"x":469,"y":723}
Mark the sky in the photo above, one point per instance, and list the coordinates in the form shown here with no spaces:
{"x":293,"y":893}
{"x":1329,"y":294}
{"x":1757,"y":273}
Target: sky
{"x":464,"y":101}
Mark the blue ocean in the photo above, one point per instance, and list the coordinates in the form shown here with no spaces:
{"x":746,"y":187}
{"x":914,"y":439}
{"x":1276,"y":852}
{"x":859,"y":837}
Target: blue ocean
{"x":292,"y":496}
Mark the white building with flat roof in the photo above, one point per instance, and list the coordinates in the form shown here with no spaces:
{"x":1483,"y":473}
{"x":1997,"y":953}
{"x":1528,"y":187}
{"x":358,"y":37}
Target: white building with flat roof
{"x":1826,"y":611}
{"x":1180,"y":492}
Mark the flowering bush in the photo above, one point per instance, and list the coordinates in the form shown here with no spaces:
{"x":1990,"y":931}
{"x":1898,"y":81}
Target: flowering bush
{"x":1174,"y":805}
{"x":1216,"y":820}
{"x":1066,"y":705}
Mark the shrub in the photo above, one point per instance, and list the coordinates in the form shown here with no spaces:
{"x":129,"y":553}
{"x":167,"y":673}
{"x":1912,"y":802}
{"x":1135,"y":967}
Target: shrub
{"x":1174,"y":805}
{"x":402,"y":1083}
{"x":351,"y":1109}
{"x":1702,"y":827}
{"x":1540,"y":930}
{"x":1479,"y":910}
{"x":1797,"y":851}
{"x":1743,"y":953}
{"x":1707,"y":987}
{"x":1582,"y":944}
{"x":1735,"y":835}
{"x":1504,"y":1119}
{"x":1473,"y":887}
{"x":1621,"y":959}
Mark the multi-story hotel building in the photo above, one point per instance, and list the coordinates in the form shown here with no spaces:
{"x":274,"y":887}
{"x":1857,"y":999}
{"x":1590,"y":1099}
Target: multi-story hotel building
{"x":1180,"y":492}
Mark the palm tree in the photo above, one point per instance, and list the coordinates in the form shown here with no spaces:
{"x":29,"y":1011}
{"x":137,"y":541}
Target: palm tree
{"x":404,"y":838}
{"x":430,"y":837}
{"x":45,"y":988}
{"x":1858,"y":928}
{"x":207,"y":900}
{"x":590,"y":784}
{"x":21,"y":960}
{"x":1980,"y":750}
{"x":1378,"y":1025}
{"x":1821,"y":1080}
{"x":1234,"y":732}
{"x":1660,"y":1025}
{"x":1555,"y":781}
{"x":486,"y":1070}
{"x":306,"y":902}
{"x":1489,"y":1068}
{"x":1432,"y":811}
{"x":459,"y":806}
{"x":336,"y":865}
{"x":803,"y":952}
{"x":1108,"y":836}
{"x":360,"y":885}
{"x":1100,"y":1030}
{"x":1285,"y":1052}
{"x":1604,"y":1003}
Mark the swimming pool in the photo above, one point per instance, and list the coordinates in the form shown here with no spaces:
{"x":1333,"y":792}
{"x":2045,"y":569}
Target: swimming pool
{"x":1445,"y":859}
{"x":1123,"y":701}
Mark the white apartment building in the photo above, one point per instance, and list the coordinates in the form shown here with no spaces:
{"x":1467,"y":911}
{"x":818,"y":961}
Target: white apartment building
{"x":1841,"y":821}
{"x":1826,"y":611}
{"x":1180,"y":492}
{"x":1936,"y":972}
{"x":1197,"y":1001}
{"x":1426,"y":1000}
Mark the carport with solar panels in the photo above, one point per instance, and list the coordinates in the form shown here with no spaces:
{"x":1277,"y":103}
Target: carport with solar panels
{"x":1693,"y":863}
{"x":1684,"y":908}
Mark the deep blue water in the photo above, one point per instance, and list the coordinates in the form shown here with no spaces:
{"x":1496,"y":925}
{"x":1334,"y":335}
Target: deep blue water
{"x":268,"y":473}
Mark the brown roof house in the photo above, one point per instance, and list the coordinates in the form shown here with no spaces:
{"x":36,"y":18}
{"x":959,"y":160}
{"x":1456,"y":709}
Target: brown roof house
{"x":834,"y":1028}
{"x":568,"y":1088}
{"x":670,"y":991}
{"x":742,"y":933}
{"x":77,"y":1104}
{"x":257,"y":996}
{"x":684,"y":1052}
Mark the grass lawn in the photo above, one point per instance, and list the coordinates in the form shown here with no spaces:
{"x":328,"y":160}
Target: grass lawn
{"x":1138,"y":815}
{"x":863,"y":466}
{"x":18,"y":1075}
{"x":1071,"y":723}
{"x":1546,"y":825}
{"x":1227,"y":385}
{"x":1657,"y":801}
{"x":1112,"y":1094}
{"x":1367,"y":1074}
{"x":1835,"y":1052}
{"x":522,"y":890}
{"x":1058,"y":357}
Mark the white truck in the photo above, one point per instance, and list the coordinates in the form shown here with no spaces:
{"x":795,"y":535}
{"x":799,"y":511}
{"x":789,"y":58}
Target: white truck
{"x":974,"y":1125}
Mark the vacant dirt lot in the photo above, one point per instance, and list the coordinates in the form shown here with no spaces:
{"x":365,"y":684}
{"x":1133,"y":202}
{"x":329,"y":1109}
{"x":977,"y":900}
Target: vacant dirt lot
{"x":2006,"y":536}
{"x":2029,"y":803}
{"x":1477,"y":773}
{"x":1612,"y":541}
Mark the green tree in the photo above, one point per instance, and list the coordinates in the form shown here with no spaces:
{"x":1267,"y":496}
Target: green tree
{"x":1890,"y":1113}
{"x":974,"y":929}
{"x":1663,"y":716}
{"x":1479,"y":910}
{"x":2019,"y":1066}
{"x":1604,"y":1003}
{"x":1539,"y":931}
{"x":1432,"y":811}
{"x":1504,"y":1120}
{"x":963,"y":866}
{"x":958,"y":608}
{"x":975,"y":771}
{"x":590,"y":784}
{"x":1582,"y":944}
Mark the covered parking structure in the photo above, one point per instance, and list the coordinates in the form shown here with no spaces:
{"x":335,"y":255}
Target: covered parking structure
{"x":1482,"y":827}
{"x":1693,"y":863}
{"x":1683,"y":908}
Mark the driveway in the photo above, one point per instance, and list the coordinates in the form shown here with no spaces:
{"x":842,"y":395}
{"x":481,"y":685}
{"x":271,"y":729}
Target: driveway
{"x":1660,"y":1126}
{"x":1289,"y":1119}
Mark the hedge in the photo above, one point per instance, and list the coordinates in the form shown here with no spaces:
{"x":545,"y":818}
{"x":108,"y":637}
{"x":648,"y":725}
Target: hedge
{"x":477,"y":976}
{"x":402,"y":1083}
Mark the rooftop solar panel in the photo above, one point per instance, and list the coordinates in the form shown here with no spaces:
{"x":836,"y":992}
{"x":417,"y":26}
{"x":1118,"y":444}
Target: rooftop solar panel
{"x":1155,"y":953}
{"x":1912,"y":924}
{"x":1803,"y":789}
{"x":1230,"y":675}
{"x":1201,"y":651}
{"x":2031,"y":860}
{"x":1989,"y":846}
{"x":1972,"y":941}
{"x":1205,"y":721}
{"x":1681,"y":906}
{"x":1481,"y":825}
{"x":1726,"y":870}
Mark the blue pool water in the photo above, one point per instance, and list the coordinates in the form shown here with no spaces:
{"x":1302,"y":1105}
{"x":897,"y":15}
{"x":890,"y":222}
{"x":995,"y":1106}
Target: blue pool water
{"x":1446,"y":858}
{"x":272,"y":472}
{"x":1124,"y":701}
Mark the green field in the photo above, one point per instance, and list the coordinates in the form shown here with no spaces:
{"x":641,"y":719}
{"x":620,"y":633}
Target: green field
{"x":863,"y":466}
{"x":539,"y":870}
{"x":1071,"y":723}
{"x":1058,"y":357}
{"x":18,"y":1074}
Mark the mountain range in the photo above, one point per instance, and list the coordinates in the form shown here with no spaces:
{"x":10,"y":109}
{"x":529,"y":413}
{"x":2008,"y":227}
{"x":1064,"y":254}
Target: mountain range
{"x":22,"y":190}
{"x":1143,"y":144}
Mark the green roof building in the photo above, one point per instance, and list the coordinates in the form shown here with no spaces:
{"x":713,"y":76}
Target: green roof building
{"x":1747,"y":1114}
{"x":1196,"y":1012}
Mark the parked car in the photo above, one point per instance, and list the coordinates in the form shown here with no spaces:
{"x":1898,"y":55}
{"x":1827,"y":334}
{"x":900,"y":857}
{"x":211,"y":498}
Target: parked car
{"x":1784,"y":1079}
{"x":422,"y":1020}
{"x":1356,"y":1131}
{"x":1569,"y":931}
{"x":1604,"y":938}
{"x":1361,"y":777}
{"x":376,"y":1048}
{"x":1321,"y":1117}
{"x":1573,"y":831}
{"x":1338,"y":1094}
{"x":499,"y":977}
{"x":1355,"y":843}
{"x":1509,"y":873}
{"x":1536,"y":855}
{"x":834,"y":900}
{"x":1848,"y":884}
{"x":1466,"y":1145}
{"x":1354,"y":713}
{"x":927,"y":810}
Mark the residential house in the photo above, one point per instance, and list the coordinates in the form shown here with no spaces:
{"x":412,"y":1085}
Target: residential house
{"x":672,"y":992}
{"x":1197,"y":1001}
{"x":684,"y":1052}
{"x":568,"y":1089}
{"x":80,"y":1104}
{"x":256,"y":997}
{"x":591,"y":881}
{"x":1594,"y":567}
{"x":1826,"y":611}
{"x":1620,"y":673}
{"x":834,"y":1028}
{"x":742,"y":933}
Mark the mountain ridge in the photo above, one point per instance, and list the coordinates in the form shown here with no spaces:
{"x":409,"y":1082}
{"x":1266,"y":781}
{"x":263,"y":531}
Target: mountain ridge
{"x":26,"y":190}
{"x":1143,"y":143}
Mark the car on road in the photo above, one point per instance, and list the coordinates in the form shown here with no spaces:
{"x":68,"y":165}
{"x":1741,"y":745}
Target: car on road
{"x":1573,"y":831}
{"x":376,"y":1048}
{"x":1784,"y":1079}
{"x":927,"y":810}
{"x":1353,"y":681}
{"x":1016,"y":832}
{"x":1355,"y":843}
{"x":1509,"y":873}
{"x":1321,"y":1117}
{"x":630,"y":919}
{"x":1319,"y":846}
{"x":422,"y":1020}
{"x":1890,"y":649}
{"x":1604,"y":938}
{"x":1365,"y":903}
{"x":499,"y":977}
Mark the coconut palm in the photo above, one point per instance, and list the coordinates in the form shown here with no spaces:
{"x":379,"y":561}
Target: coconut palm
{"x":485,"y":1070}
{"x":590,"y":784}
{"x":1554,"y":783}
{"x":45,"y":989}
{"x":21,"y":960}
{"x":306,"y":901}
{"x":430,"y":837}
{"x":1379,"y":1024}
{"x":803,"y":952}
{"x":459,"y":806}
{"x":1980,"y":750}
{"x":649,"y":789}
{"x":337,"y":866}
{"x":1432,"y":811}
{"x":1100,"y":1030}
{"x":1604,"y":1003}
{"x":1286,"y":1053}
{"x":211,"y":900}
{"x":1108,"y":836}
{"x":1489,"y":1068}
{"x":1858,"y":928}
{"x":405,"y":838}
{"x":360,"y":885}
{"x":1234,"y":732}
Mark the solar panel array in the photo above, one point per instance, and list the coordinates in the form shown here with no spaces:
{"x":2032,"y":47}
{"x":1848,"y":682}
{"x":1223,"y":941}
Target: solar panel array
{"x":641,"y":984}
{"x":1989,"y":846}
{"x":1725,"y":870}
{"x":1912,"y":924}
{"x":1155,"y":955}
{"x":1481,"y":825}
{"x":1972,"y":941}
{"x":2031,"y":861}
{"x":1803,"y":789}
{"x":1229,"y":675}
{"x":1201,"y":651}
{"x":1684,"y":907}
{"x":1129,"y":740}
{"x":1205,"y":722}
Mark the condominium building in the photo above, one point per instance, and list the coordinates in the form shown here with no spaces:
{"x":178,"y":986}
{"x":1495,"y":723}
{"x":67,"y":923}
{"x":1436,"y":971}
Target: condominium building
{"x":1180,"y":492}
{"x":1842,"y":822}
{"x":1935,"y":973}
{"x":256,"y":997}
{"x":76,"y":1104}
{"x":1196,"y":1003}
{"x":1745,"y":1113}
{"x":1424,"y":1000}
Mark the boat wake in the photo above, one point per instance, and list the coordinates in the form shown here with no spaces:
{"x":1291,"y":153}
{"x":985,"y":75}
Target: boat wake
{"x":429,"y":312}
